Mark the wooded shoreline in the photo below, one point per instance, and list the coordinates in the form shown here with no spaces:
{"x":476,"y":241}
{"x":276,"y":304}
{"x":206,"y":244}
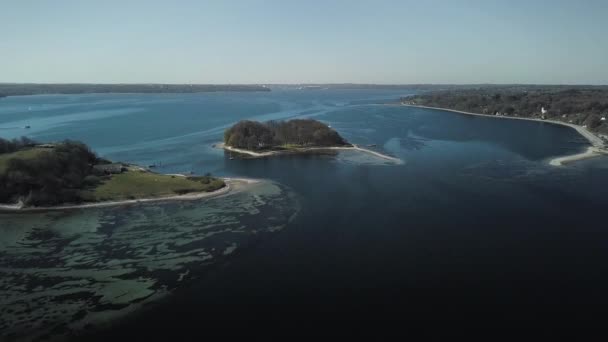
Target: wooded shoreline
{"x":597,"y":148}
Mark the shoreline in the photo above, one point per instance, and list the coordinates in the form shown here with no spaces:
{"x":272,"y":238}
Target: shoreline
{"x":597,"y":148}
{"x":307,"y":149}
{"x":591,"y":152}
{"x":232,"y":185}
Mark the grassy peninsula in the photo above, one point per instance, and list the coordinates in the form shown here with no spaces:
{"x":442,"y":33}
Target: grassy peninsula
{"x":282,"y":135}
{"x":70,"y":173}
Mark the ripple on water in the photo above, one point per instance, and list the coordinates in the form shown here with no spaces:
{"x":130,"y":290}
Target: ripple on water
{"x":63,"y":271}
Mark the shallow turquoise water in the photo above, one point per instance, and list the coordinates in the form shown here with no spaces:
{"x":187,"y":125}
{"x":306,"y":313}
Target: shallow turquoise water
{"x":67,"y":271}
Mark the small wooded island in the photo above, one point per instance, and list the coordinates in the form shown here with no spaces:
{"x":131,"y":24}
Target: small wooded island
{"x":297,"y":136}
{"x":259,"y":139}
{"x":47,"y":175}
{"x":282,"y":135}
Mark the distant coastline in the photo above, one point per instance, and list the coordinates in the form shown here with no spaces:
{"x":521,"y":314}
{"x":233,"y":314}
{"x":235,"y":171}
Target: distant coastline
{"x":24,"y":89}
{"x":597,"y":148}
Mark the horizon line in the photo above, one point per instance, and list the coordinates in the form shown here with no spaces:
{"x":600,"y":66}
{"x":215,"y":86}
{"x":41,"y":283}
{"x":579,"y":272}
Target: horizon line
{"x":308,"y":83}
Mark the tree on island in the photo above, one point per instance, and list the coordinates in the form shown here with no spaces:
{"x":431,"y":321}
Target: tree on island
{"x":252,"y":135}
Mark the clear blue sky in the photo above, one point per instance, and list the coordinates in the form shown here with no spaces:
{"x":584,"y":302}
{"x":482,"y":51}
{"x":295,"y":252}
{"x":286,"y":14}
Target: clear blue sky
{"x":304,"y":41}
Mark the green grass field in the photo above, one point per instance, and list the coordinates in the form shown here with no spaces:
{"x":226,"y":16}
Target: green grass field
{"x":140,"y":184}
{"x":132,"y":184}
{"x":290,"y":146}
{"x":29,"y":153}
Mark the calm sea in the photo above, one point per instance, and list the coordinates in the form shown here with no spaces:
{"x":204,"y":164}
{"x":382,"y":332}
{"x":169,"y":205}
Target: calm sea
{"x":474,"y":222}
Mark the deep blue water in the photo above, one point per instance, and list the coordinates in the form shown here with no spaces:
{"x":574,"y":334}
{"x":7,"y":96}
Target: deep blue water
{"x":474,"y":224}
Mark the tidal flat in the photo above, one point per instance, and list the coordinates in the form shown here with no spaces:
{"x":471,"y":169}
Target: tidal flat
{"x":65,"y":272}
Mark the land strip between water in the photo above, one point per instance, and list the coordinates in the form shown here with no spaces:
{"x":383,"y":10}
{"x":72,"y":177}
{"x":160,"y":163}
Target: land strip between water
{"x":597,"y":148}
{"x":233,"y":185}
{"x":308,"y":149}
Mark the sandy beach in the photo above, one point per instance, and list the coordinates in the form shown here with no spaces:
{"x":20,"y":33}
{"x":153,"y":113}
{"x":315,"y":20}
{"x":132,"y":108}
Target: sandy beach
{"x":232,"y":185}
{"x":591,"y":152}
{"x":308,"y":149}
{"x":597,"y":148}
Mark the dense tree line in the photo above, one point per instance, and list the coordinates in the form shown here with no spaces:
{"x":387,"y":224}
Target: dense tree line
{"x":8,"y":146}
{"x":582,"y":105}
{"x":14,"y":89}
{"x":54,"y":176}
{"x":254,"y":135}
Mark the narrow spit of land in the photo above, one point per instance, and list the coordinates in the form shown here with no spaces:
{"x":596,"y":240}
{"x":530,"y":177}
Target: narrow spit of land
{"x":597,"y":148}
{"x":308,"y":150}
{"x":233,"y":185}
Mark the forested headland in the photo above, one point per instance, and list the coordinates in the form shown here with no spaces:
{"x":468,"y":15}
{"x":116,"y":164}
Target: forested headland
{"x":580,"y":105}
{"x":297,"y":133}
{"x":70,"y":172}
